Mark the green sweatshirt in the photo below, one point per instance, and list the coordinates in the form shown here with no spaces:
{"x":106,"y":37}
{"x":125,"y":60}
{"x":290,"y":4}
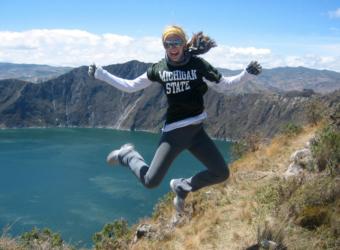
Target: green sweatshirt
{"x":183,"y":86}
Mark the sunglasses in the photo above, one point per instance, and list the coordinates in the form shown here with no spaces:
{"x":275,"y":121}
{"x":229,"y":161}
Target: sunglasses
{"x":175,"y":43}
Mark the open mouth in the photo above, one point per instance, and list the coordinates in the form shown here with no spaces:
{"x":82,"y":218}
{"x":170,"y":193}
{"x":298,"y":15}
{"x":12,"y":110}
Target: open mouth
{"x":174,"y":53}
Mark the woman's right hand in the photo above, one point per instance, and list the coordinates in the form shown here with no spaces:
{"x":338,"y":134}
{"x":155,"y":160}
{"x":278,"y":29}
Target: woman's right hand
{"x":92,"y":70}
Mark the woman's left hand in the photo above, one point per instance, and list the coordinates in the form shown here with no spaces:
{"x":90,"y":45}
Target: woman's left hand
{"x":92,"y":70}
{"x":254,"y":68}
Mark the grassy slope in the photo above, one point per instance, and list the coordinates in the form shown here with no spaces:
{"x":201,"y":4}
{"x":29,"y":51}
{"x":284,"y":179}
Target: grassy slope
{"x":228,"y":216}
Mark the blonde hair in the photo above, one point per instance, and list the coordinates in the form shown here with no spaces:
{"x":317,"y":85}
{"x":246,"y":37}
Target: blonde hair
{"x":174,"y":30}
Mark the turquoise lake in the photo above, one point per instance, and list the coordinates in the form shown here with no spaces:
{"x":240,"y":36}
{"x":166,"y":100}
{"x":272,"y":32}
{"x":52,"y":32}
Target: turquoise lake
{"x":58,"y":178}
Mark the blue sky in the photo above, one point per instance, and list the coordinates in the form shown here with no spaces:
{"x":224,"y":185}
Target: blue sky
{"x":74,"y":32}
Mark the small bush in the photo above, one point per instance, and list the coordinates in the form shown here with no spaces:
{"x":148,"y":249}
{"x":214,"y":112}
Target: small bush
{"x":250,"y":143}
{"x":314,"y":111}
{"x":37,"y":237}
{"x":326,"y":149}
{"x":291,"y":129}
{"x":238,"y":149}
{"x":113,"y":236}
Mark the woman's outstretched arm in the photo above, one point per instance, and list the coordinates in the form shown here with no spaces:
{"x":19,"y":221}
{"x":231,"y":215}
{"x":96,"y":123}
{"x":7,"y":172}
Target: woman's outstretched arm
{"x":253,"y":69}
{"x":125,"y":85}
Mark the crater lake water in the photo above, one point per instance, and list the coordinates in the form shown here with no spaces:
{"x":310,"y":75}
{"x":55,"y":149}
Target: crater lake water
{"x":58,"y":179}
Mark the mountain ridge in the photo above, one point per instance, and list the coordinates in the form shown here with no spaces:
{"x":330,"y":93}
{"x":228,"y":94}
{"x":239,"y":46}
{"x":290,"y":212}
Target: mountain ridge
{"x":31,"y":72}
{"x":73,"y":99}
{"x":298,"y":78}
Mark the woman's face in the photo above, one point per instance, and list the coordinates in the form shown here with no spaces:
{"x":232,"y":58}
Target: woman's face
{"x":174,"y":47}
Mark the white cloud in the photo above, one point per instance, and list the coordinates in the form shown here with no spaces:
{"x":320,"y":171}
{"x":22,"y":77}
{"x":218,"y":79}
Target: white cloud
{"x":75,"y":47}
{"x":78,"y":47}
{"x":334,"y":14}
{"x":235,"y":58}
{"x":249,"y":51}
{"x":308,"y":61}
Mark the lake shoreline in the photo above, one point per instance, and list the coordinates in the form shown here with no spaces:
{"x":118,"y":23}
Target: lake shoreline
{"x":108,"y":128}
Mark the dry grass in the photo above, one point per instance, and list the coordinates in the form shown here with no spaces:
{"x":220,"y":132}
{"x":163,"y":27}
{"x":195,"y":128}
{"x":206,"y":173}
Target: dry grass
{"x":7,"y":243}
{"x":275,"y":156}
{"x":228,"y":215}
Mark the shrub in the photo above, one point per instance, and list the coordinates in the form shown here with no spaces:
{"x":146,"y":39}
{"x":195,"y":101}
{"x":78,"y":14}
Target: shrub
{"x":250,"y":143}
{"x":113,"y":235}
{"x":291,"y":129}
{"x":37,"y":237}
{"x":326,"y":149}
{"x":314,"y":111}
{"x":238,"y":149}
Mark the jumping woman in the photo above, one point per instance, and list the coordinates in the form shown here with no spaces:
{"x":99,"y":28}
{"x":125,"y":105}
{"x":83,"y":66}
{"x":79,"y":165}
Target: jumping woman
{"x":185,"y":78}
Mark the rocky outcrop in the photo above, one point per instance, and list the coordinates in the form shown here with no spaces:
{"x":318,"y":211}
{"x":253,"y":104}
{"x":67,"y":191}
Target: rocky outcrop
{"x":302,"y":160}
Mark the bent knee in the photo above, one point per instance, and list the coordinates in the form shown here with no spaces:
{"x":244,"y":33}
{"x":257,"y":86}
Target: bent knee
{"x":223,"y":174}
{"x":150,"y":183}
{"x":226,"y":173}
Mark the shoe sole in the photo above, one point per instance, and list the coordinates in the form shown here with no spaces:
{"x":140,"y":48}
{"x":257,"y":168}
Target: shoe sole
{"x":175,"y":202}
{"x":114,"y":159}
{"x":172,"y":186}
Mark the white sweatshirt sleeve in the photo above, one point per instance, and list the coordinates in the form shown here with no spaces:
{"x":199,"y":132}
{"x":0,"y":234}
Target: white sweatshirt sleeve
{"x":125,"y":85}
{"x":227,"y":81}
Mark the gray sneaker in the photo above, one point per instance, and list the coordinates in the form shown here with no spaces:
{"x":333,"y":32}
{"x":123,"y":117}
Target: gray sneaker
{"x":113,"y":157}
{"x":178,"y":200}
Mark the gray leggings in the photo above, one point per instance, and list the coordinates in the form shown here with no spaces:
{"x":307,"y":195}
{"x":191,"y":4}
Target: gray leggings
{"x":193,"y":138}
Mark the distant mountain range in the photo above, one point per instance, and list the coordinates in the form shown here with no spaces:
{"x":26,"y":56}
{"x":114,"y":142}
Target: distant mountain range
{"x":285,"y":79}
{"x":299,"y":78}
{"x":73,"y":99}
{"x":275,"y":80}
{"x":30,"y":72}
